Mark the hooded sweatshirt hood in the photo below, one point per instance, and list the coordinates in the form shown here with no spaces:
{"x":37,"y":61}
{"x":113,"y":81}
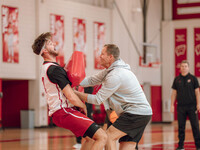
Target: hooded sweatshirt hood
{"x":120,"y":91}
{"x":119,"y":64}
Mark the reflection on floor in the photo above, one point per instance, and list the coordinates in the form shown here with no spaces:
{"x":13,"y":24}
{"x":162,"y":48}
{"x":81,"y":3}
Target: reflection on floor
{"x":156,"y":137}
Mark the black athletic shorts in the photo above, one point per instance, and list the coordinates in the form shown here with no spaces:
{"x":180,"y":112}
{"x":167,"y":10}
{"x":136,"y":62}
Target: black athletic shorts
{"x":91,"y":130}
{"x":133,"y":125}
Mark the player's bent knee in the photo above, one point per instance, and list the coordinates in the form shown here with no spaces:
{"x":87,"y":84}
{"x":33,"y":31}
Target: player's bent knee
{"x":100,"y":135}
{"x":110,"y":135}
{"x":104,"y":137}
{"x":87,"y":139}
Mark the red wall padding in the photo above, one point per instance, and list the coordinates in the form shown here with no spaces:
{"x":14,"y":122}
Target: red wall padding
{"x":15,"y":98}
{"x":156,"y":103}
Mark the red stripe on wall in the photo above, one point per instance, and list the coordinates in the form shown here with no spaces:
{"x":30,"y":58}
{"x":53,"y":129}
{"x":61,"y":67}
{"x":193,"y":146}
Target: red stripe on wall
{"x":156,"y":103}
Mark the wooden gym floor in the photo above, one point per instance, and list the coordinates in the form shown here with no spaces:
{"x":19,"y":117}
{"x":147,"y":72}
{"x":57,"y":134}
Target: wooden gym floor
{"x":156,"y":137}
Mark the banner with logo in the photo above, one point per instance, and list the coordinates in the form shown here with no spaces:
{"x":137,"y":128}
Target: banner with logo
{"x":57,"y":30}
{"x":10,"y":34}
{"x":197,"y":52}
{"x":99,"y":41}
{"x":180,"y":48}
{"x":79,"y":35}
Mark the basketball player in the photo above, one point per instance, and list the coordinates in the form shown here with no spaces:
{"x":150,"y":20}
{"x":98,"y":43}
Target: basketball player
{"x":61,"y":99}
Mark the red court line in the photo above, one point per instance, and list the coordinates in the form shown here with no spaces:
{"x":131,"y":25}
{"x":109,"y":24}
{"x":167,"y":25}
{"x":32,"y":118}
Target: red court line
{"x":160,"y":131}
{"x":187,"y":146}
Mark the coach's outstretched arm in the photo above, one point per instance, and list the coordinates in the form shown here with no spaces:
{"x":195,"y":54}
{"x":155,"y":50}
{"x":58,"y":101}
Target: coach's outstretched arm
{"x":108,"y":88}
{"x":94,"y":79}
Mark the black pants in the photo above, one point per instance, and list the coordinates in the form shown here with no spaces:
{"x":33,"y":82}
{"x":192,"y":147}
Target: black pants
{"x":191,"y":112}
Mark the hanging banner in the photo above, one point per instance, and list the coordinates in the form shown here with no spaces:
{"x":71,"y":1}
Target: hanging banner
{"x":99,"y":41}
{"x":10,"y":34}
{"x":180,"y":48}
{"x":197,"y":51}
{"x":57,"y":30}
{"x":79,"y":35}
{"x":186,"y":9}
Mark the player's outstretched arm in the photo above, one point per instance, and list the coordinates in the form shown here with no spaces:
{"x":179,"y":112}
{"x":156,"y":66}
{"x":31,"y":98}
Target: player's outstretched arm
{"x":81,"y":95}
{"x":73,"y":98}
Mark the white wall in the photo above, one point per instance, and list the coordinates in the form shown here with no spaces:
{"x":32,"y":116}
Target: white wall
{"x":167,"y":6}
{"x":34,"y":19}
{"x":100,"y":3}
{"x":25,"y":69}
{"x":134,"y":21}
{"x":70,"y":10}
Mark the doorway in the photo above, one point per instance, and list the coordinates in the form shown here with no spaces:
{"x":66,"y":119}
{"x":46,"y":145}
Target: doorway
{"x":15,"y":98}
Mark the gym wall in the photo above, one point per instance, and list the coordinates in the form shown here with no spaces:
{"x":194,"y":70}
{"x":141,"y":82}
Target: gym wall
{"x":26,"y":67}
{"x":34,"y":18}
{"x":168,"y":58}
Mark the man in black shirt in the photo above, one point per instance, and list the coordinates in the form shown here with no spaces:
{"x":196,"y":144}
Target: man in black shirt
{"x":185,"y":89}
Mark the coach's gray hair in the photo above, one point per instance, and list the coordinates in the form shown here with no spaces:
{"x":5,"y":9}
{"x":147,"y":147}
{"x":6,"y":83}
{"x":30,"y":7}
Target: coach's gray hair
{"x":112,"y":49}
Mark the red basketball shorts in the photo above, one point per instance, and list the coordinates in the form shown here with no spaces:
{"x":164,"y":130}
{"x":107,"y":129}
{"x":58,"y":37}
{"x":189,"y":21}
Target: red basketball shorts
{"x":72,"y":120}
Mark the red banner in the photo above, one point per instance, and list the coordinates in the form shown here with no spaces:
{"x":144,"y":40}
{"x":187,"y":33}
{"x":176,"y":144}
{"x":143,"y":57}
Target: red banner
{"x":57,"y":30}
{"x":79,"y":35}
{"x":186,"y":9}
{"x":10,"y":34}
{"x":197,"y":51}
{"x":180,"y":48}
{"x":99,"y":41}
{"x":79,"y":32}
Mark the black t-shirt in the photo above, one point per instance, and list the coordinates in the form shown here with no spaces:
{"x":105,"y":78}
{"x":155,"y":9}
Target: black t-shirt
{"x":58,"y":75}
{"x":185,"y":87}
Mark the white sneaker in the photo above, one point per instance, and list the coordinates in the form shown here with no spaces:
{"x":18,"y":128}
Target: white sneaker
{"x":77,"y":146}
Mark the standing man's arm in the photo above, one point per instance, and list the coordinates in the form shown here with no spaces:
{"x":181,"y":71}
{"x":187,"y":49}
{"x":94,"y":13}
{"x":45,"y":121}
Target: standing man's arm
{"x":197,"y":98}
{"x":111,"y":84}
{"x":94,"y":80}
{"x":173,"y":98}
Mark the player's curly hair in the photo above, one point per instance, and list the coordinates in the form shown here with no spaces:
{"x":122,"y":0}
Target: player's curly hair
{"x":39,"y":42}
